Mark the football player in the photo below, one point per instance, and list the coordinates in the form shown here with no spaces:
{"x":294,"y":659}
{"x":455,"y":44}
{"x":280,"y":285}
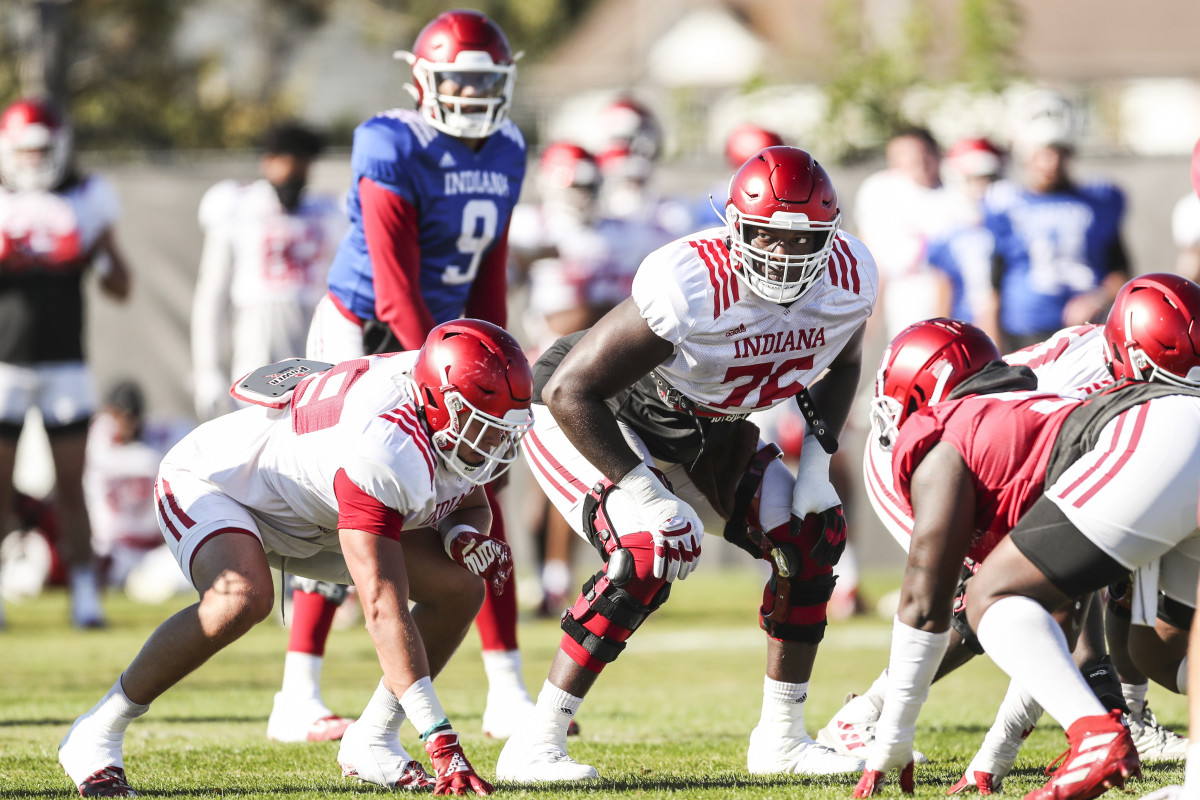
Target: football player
{"x":430,"y":200}
{"x":1078,"y":450}
{"x":370,"y":471}
{"x":1059,"y":256}
{"x":267,"y":249}
{"x":56,"y":224}
{"x":641,"y":444}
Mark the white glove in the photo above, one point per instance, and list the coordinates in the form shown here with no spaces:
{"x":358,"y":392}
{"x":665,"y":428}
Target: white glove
{"x":813,"y":493}
{"x":673,"y":524}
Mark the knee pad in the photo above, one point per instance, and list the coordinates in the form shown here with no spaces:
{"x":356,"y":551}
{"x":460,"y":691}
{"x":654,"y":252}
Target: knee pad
{"x":744,"y":528}
{"x":606,"y":612}
{"x":798,"y":591}
{"x":333,"y":592}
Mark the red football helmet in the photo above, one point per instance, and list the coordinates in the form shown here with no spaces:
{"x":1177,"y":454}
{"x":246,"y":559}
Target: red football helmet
{"x":975,"y":158}
{"x":626,"y":124}
{"x":466,"y":51}
{"x":1153,"y":331}
{"x":921,"y":366}
{"x":35,"y":146}
{"x":475,"y":387}
{"x":781,"y":189}
{"x":745,"y":141}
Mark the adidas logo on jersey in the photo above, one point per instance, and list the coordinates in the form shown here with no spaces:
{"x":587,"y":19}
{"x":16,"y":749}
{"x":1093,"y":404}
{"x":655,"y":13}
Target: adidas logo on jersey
{"x":447,"y":161}
{"x":739,"y":329}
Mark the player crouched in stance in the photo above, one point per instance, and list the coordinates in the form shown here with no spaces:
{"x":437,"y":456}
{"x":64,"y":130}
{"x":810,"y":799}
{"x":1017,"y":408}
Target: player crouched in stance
{"x":1121,"y":470}
{"x":640,"y":442}
{"x":370,"y":472}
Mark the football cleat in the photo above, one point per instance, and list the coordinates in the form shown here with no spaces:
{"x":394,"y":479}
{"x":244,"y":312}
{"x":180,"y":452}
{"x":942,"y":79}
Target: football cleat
{"x":872,"y":780}
{"x":108,"y":782}
{"x":381,"y":761}
{"x":1101,"y":756}
{"x":991,"y":765}
{"x":504,"y":714}
{"x":304,"y":721}
{"x":773,"y":755}
{"x":1153,"y":741}
{"x":852,"y":729}
{"x":529,"y":759}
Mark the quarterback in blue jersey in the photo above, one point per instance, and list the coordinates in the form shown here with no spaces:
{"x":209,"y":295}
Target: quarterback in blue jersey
{"x":1059,"y":257}
{"x":432,"y":192}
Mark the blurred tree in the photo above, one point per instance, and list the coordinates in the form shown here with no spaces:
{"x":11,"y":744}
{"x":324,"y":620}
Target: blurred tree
{"x":870,"y":79}
{"x":115,"y":66}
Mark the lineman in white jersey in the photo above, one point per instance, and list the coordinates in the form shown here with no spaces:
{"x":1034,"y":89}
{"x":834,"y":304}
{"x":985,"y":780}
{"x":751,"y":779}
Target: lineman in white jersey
{"x":267,"y":249}
{"x":370,"y":471}
{"x":642,"y":445}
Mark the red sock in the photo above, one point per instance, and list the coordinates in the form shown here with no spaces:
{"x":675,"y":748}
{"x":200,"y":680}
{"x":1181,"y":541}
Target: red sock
{"x":497,"y":620}
{"x":312,"y":618}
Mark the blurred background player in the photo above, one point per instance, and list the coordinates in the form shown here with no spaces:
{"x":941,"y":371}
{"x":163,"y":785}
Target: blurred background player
{"x":124,"y":450}
{"x":742,"y":142}
{"x":267,"y":249}
{"x":631,"y":144}
{"x":579,"y":264}
{"x":1059,"y":255}
{"x":898,"y":211}
{"x":430,"y":200}
{"x":55,"y":223}
{"x":963,"y":255}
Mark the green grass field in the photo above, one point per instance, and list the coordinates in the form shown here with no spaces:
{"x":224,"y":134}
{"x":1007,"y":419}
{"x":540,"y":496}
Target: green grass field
{"x":670,"y":718}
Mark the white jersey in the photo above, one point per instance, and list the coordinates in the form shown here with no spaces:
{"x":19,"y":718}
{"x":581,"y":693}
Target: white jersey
{"x":1185,"y":221}
{"x":261,"y":274}
{"x":118,"y":484}
{"x":288,"y":467}
{"x":1071,"y":362}
{"x":57,"y":227}
{"x":734,"y":351}
{"x":898,"y":219}
{"x":577,"y":264}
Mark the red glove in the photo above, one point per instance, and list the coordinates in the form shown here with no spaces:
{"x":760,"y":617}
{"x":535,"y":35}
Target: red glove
{"x":455,"y":775}
{"x":480,"y":555}
{"x":827,"y":531}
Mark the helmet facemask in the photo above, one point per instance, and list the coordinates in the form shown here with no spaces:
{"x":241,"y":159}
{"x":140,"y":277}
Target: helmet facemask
{"x":778,"y":277}
{"x":475,"y":116}
{"x":34,"y":158}
{"x":471,"y":427}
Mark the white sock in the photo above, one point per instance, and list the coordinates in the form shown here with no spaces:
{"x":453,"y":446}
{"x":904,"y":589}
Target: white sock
{"x":503,"y":669}
{"x":878,"y":690}
{"x":1024,"y":641}
{"x":1181,"y":682}
{"x":553,"y":713}
{"x":914,"y":659}
{"x":1135,"y":697}
{"x":556,"y":577}
{"x":783,"y":708}
{"x":1017,"y":715}
{"x":115,"y":710}
{"x":302,"y":676}
{"x":85,"y":594}
{"x":422,"y":706}
{"x":384,"y":714}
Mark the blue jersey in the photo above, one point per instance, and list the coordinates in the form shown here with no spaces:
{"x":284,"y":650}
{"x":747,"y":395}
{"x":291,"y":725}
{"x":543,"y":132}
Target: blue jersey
{"x":463,"y":198}
{"x":1053,"y":247}
{"x":964,"y":257}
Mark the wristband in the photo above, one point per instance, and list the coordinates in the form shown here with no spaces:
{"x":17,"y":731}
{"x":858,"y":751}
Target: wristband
{"x":449,"y":536}
{"x":643,"y":486}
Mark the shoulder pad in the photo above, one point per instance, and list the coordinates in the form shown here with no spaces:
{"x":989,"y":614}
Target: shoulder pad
{"x":272,"y":385}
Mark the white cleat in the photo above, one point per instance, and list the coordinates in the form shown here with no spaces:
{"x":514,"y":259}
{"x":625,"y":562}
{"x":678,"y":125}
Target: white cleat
{"x":89,"y":749}
{"x":526,"y":759}
{"x":303,"y":721}
{"x":852,"y":729}
{"x":505,"y":714}
{"x":1152,"y":740}
{"x":381,"y":761}
{"x":774,"y":755}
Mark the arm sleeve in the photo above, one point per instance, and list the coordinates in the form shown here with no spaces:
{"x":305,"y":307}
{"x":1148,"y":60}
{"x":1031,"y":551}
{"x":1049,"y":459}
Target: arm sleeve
{"x":359,"y":511}
{"x":210,"y":305}
{"x":390,"y":227}
{"x":488,"y":299}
